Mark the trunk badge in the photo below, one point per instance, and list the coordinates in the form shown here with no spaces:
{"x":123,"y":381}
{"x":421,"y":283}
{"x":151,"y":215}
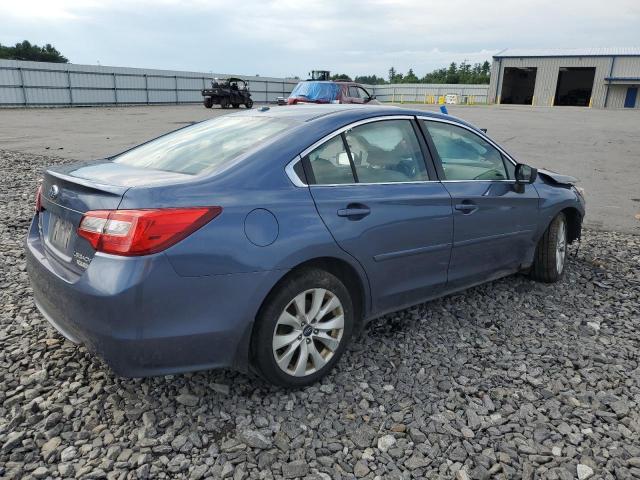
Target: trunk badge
{"x":53,"y":191}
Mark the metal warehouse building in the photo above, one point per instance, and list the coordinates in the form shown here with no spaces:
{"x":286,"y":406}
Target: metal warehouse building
{"x":598,"y":77}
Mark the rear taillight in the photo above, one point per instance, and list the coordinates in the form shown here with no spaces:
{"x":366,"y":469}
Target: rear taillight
{"x":142,"y":232}
{"x":39,"y":198}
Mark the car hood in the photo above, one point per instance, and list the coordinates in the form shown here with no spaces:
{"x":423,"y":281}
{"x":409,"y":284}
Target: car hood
{"x":557,"y":177}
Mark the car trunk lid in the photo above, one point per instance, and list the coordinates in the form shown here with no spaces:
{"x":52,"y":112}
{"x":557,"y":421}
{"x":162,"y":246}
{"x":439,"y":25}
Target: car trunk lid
{"x":69,"y":192}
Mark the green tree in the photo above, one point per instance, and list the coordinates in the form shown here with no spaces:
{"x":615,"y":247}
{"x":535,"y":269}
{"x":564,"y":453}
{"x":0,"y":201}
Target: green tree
{"x":26,"y":51}
{"x":410,"y":77}
{"x":341,"y":76}
{"x":452,"y":74}
{"x":392,"y":74}
{"x":370,"y":80}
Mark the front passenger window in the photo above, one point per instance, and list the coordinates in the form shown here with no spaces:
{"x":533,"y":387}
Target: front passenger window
{"x":465,"y":155}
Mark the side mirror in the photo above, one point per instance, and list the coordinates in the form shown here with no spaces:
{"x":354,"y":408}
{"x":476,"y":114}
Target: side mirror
{"x":525,"y":174}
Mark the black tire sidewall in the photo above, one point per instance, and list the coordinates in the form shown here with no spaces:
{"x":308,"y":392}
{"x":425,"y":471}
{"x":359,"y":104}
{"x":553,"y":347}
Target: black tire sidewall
{"x":545,"y":264}
{"x":261,"y":342}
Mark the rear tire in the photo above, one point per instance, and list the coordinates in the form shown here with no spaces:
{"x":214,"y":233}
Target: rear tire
{"x":551,"y":252}
{"x":249,"y":103}
{"x":302,"y":329}
{"x":208,"y":102}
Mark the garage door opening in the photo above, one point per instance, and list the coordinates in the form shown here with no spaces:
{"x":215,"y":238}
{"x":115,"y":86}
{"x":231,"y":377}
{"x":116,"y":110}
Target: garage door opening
{"x":518,"y":85}
{"x":574,"y":86}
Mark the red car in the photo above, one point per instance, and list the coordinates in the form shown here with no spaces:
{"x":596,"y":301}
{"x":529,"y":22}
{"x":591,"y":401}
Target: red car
{"x":313,"y":91}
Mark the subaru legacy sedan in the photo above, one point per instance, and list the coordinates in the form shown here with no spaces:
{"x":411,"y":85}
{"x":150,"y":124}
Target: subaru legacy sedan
{"x":264,"y":240}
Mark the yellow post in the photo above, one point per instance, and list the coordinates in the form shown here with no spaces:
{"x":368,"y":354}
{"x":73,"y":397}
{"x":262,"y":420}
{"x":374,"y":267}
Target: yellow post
{"x":441,"y":100}
{"x":553,"y":99}
{"x":533,"y":100}
{"x":402,"y":98}
{"x":498,"y":100}
{"x":425,"y":98}
{"x":590,"y":100}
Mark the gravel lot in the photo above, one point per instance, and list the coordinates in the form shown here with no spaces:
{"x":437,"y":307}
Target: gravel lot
{"x":513,"y":379}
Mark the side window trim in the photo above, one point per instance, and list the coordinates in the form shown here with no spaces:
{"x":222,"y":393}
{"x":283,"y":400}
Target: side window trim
{"x":303,"y":157}
{"x":353,"y":165}
{"x":438,"y":161}
{"x":368,"y":95}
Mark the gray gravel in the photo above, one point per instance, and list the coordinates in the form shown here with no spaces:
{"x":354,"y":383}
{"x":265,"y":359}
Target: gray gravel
{"x":513,"y":379}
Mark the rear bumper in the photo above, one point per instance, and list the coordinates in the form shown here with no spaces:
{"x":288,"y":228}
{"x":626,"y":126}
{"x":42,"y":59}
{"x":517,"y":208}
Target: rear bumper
{"x":142,"y":318}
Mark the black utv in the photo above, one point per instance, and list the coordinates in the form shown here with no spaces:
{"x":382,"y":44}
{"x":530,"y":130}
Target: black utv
{"x":228,"y":92}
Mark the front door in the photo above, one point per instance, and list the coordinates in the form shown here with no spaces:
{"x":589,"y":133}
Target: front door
{"x":494,"y":225}
{"x":630,"y":99}
{"x":373,"y":191}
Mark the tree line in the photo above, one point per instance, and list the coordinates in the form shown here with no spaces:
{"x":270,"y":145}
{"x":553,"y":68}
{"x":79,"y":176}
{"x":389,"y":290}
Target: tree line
{"x":27,"y":51}
{"x":464,"y":73}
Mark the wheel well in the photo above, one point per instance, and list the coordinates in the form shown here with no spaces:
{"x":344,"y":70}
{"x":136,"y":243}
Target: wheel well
{"x":574,"y":224}
{"x":341,"y":269}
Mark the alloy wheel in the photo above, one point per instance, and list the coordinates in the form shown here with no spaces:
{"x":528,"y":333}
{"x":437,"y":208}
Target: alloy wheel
{"x":561,"y":247}
{"x":308,"y":332}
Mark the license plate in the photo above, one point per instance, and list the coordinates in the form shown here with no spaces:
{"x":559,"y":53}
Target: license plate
{"x":60,"y":234}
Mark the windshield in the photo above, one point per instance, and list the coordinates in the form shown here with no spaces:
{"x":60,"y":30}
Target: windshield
{"x":204,"y":147}
{"x":325,"y":91}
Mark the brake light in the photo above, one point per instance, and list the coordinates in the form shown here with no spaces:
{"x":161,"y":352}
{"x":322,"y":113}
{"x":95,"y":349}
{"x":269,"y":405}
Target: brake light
{"x":142,"y":232}
{"x":39,"y":198}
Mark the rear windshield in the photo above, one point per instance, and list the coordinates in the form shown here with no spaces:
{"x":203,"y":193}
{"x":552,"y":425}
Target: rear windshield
{"x":204,"y":147}
{"x":316,"y":91}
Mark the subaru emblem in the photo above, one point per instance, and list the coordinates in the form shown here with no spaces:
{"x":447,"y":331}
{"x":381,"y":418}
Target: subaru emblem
{"x":53,"y":191}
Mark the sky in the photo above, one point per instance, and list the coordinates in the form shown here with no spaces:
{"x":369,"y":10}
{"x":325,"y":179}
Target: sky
{"x":292,"y":37}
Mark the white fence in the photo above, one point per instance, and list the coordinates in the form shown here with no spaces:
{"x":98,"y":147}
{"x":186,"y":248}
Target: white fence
{"x":60,"y":84}
{"x":430,"y":93}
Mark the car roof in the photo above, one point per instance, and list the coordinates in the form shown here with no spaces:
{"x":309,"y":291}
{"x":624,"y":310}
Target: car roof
{"x":342,"y":112}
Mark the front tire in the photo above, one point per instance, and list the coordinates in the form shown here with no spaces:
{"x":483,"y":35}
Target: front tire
{"x":303,"y":329}
{"x":248,"y":103}
{"x":208,"y":102}
{"x":551,"y":252}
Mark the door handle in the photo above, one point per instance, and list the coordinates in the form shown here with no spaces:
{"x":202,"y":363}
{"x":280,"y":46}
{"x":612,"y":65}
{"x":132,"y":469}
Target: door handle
{"x":354,"y":211}
{"x":467,"y":207}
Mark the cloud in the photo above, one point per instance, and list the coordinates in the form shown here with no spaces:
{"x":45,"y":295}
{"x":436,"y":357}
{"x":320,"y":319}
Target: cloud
{"x":292,"y":37}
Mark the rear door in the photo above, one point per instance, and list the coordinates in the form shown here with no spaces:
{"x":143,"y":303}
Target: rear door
{"x":494,"y":225}
{"x":382,"y":205}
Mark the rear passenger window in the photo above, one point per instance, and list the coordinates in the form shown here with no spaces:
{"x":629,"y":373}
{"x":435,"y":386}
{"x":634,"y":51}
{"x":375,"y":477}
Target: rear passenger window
{"x":330,"y":163}
{"x":386,"y":151}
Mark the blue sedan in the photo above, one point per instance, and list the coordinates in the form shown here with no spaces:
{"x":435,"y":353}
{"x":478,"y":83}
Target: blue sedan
{"x":264,"y":240}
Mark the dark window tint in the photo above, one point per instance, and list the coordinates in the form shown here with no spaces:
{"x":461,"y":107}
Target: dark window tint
{"x":386,"y":151}
{"x":465,"y":155}
{"x":206,"y":146}
{"x":330,"y":163}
